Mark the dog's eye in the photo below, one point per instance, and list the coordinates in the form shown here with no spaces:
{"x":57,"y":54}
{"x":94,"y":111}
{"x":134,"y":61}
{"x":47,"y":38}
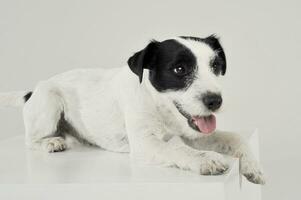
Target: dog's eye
{"x":179,"y":70}
{"x":215,"y":66}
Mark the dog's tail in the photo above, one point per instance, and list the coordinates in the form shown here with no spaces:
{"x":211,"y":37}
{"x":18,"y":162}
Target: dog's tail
{"x":14,"y":99}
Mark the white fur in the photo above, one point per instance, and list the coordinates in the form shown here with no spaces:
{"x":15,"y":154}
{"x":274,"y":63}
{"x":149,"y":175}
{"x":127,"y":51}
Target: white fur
{"x":12,"y":98}
{"x":111,"y":109}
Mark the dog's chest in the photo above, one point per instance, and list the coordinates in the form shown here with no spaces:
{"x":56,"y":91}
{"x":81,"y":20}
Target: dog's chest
{"x":169,"y":122}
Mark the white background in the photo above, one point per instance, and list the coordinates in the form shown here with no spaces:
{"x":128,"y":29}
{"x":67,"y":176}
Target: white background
{"x":261,"y":38}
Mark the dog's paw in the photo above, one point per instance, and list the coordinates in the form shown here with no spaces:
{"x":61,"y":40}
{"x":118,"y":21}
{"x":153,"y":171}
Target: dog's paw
{"x":212,"y":163}
{"x":54,"y":144}
{"x":252,"y":171}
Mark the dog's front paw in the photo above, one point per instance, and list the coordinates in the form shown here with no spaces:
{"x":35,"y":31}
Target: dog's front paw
{"x":54,"y":144}
{"x":252,"y":171}
{"x":212,"y":163}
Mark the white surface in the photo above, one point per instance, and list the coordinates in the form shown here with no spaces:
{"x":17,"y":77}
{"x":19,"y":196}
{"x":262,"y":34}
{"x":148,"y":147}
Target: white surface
{"x":261,"y":38}
{"x":96,"y":174}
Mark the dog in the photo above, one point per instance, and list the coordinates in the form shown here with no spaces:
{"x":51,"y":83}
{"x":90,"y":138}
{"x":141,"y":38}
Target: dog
{"x":160,"y":107}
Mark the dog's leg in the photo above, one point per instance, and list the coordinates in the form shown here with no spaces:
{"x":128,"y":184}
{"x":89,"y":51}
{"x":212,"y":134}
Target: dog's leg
{"x":175,"y":153}
{"x":233,"y":145}
{"x":145,"y":144}
{"x":41,"y":116}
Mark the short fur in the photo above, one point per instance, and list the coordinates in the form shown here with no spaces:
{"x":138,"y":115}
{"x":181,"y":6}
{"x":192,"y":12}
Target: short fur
{"x":142,"y":108}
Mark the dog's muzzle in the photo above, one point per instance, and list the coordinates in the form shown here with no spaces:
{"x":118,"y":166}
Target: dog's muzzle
{"x":203,"y":124}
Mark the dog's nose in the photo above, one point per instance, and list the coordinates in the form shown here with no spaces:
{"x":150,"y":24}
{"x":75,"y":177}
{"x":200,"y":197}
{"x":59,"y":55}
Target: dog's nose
{"x":212,"y":101}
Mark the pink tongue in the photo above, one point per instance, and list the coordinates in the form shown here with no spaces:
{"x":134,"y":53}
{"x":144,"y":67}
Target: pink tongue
{"x":205,"y":124}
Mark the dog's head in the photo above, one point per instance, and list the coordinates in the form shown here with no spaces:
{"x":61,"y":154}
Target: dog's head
{"x":185,"y":70}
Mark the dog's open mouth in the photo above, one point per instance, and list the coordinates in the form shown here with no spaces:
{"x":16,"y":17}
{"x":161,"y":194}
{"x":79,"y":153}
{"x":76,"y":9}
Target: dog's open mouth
{"x":203,"y":124}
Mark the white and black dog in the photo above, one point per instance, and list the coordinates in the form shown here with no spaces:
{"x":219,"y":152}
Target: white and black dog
{"x":166,"y":117}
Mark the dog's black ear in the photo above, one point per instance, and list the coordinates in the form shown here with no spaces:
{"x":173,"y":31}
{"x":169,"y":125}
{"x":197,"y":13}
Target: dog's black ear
{"x":143,"y":59}
{"x":213,"y":42}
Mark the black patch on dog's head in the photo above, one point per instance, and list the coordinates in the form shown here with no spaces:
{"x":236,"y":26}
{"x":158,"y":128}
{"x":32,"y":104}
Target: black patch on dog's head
{"x":218,"y":63}
{"x":171,"y":65}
